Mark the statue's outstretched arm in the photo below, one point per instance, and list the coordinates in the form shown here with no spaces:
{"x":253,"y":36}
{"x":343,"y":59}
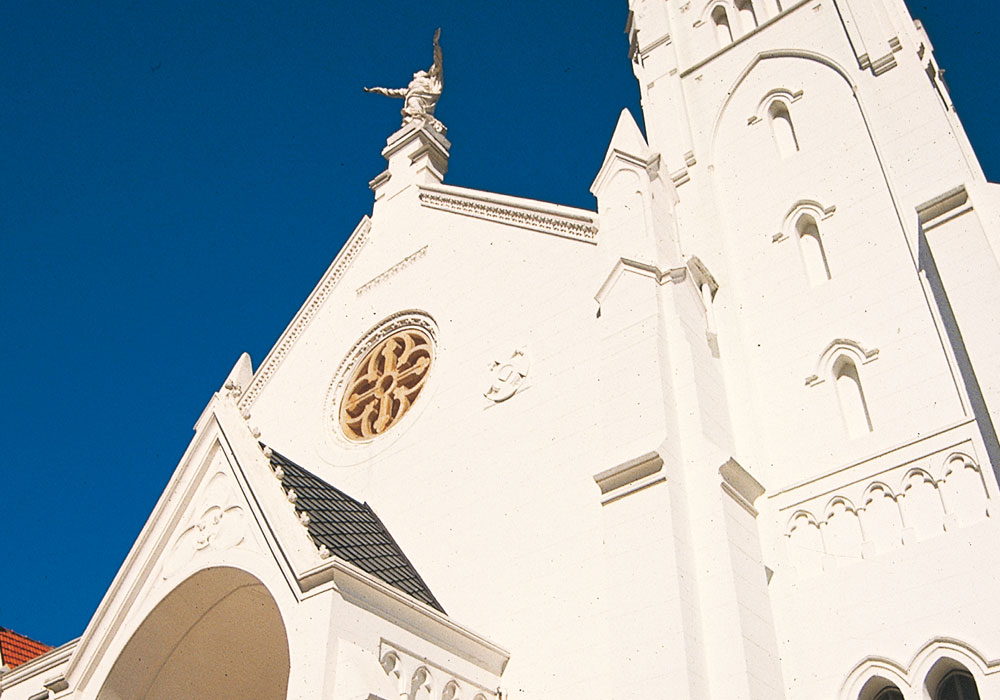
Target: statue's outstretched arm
{"x":437,"y":70}
{"x":388,"y":92}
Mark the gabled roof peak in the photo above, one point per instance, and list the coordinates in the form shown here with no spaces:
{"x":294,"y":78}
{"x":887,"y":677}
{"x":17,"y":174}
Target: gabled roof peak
{"x":628,"y":138}
{"x":628,"y":145}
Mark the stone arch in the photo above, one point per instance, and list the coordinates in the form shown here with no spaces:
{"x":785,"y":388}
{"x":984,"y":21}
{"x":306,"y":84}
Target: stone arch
{"x":720,"y":16}
{"x":935,"y":659}
{"x":876,"y":686}
{"x":784,"y":94}
{"x":805,"y":206}
{"x":709,"y":7}
{"x":766,"y":55}
{"x":944,"y":655}
{"x":872,"y":676}
{"x":174,"y":652}
{"x":841,"y":530}
{"x":921,"y":505}
{"x":880,"y":519}
{"x":747,"y":15}
{"x":835,"y":349}
{"x":841,"y":362}
{"x":805,"y":543}
{"x":963,"y":489}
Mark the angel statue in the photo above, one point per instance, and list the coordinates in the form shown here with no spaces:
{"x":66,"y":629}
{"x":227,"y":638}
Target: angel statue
{"x":421,"y":95}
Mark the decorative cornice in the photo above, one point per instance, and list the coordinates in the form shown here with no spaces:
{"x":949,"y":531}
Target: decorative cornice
{"x":379,"y":279}
{"x":579,"y":225}
{"x":355,"y":243}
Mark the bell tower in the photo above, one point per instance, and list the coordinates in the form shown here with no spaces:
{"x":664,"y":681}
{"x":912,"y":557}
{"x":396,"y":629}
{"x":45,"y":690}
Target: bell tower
{"x":824,"y":179}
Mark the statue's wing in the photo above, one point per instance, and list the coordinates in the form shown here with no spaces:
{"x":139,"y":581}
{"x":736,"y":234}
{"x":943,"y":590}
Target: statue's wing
{"x":437,"y":70}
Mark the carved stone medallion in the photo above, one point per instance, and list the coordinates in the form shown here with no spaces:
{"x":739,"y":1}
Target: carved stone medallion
{"x":385,"y":384}
{"x":507,"y":376}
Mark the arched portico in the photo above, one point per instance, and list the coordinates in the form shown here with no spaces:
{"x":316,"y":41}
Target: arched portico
{"x":217,"y":635}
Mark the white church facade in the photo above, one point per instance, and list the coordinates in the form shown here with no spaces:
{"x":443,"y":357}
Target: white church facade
{"x":729,"y":436}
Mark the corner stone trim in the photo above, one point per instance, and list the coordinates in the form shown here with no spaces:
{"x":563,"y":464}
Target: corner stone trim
{"x":581,"y":229}
{"x":628,"y":477}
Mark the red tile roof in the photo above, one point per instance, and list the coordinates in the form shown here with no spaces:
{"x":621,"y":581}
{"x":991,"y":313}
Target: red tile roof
{"x":15,"y":648}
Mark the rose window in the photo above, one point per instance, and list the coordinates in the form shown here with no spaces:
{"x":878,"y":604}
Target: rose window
{"x":385,"y":384}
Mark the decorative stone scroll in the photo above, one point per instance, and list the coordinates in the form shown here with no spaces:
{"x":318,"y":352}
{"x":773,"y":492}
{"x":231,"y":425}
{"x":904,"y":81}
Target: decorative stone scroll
{"x":385,"y":384}
{"x":218,"y":523}
{"x":507,"y":376}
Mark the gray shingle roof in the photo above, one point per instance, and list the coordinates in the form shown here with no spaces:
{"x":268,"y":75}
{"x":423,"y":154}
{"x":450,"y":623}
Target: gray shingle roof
{"x":350,"y":530}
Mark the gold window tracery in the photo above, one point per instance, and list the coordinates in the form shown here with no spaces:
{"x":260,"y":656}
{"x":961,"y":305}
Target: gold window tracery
{"x":385,"y":384}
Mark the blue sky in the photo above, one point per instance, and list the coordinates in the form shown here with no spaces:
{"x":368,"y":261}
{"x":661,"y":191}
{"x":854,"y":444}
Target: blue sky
{"x":177,"y":176}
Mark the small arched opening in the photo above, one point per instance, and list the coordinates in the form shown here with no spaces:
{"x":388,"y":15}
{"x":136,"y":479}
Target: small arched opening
{"x":853,"y":406}
{"x":813,"y":250}
{"x":782,"y":128}
{"x":748,"y":16}
{"x":949,"y":679}
{"x":218,"y":635}
{"x":723,"y":31}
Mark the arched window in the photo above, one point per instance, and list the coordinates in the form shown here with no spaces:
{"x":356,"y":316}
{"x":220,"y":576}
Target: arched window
{"x":957,"y":685}
{"x":890,"y":692}
{"x":748,"y":18}
{"x":813,"y":251}
{"x":853,"y":406}
{"x":723,"y":32}
{"x":782,"y":128}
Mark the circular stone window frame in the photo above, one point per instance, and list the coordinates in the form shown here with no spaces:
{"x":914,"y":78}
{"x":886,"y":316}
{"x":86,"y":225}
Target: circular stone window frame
{"x":401,"y":321}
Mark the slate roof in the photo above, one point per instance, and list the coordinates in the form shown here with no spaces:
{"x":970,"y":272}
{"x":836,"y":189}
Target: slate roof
{"x":350,"y":529}
{"x":16,"y":649}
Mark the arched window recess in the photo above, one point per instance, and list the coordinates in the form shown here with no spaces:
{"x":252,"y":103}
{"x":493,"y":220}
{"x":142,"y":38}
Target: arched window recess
{"x":841,"y":363}
{"x":782,"y":94}
{"x":952,"y":677}
{"x":841,"y":347}
{"x":722,"y":26}
{"x":719,"y":14}
{"x":811,"y":207}
{"x":748,"y":15}
{"x":947,"y":668}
